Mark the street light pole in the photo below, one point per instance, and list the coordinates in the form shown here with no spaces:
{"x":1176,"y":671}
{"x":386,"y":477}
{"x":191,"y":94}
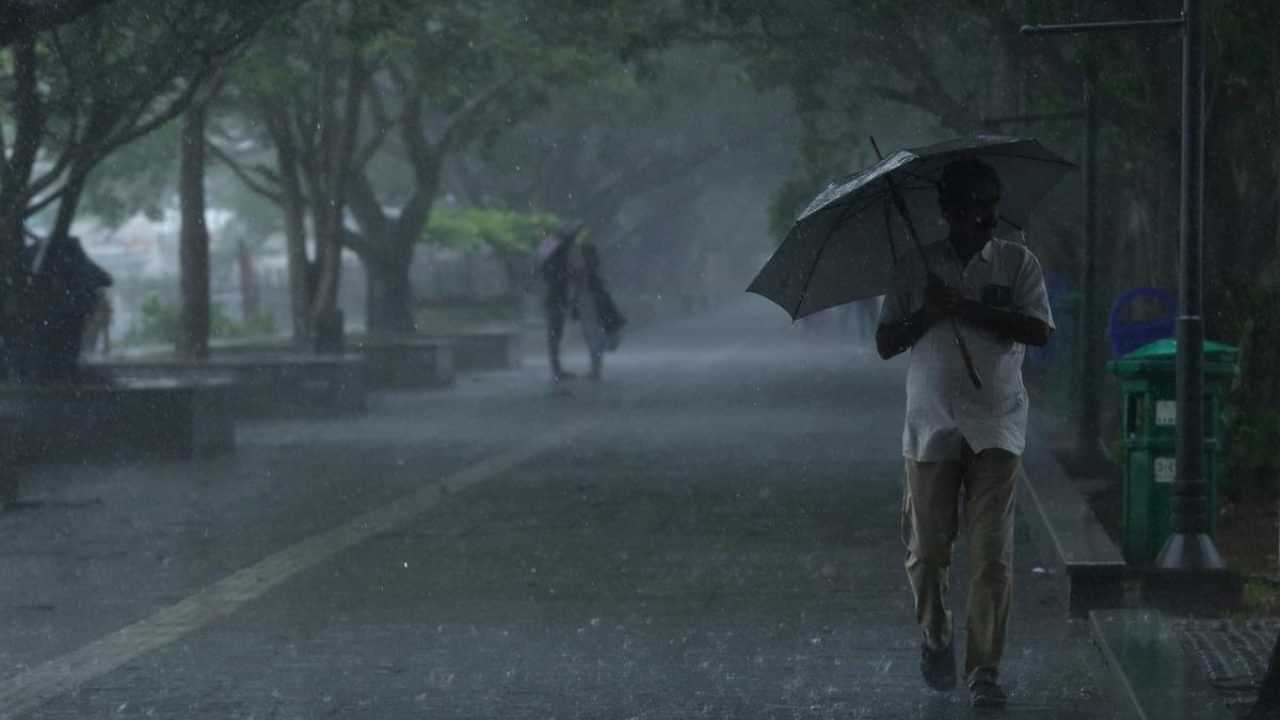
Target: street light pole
{"x":1190,"y":547}
{"x":1087,"y":428}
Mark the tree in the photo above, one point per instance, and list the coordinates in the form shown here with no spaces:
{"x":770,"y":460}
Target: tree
{"x":83,"y":89}
{"x":321,"y":63}
{"x":23,"y":19}
{"x":461,"y":72}
{"x":425,"y":82}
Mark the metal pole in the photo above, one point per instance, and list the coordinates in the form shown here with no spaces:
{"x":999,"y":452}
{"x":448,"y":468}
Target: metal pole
{"x":1101,"y":26}
{"x":1190,"y":547}
{"x":1087,"y":428}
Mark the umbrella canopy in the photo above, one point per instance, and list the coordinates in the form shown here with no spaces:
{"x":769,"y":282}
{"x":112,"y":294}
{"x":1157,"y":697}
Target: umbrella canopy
{"x":843,"y":247}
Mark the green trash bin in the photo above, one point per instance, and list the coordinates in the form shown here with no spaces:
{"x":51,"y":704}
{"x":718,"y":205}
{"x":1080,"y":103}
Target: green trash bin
{"x":1149,"y":417}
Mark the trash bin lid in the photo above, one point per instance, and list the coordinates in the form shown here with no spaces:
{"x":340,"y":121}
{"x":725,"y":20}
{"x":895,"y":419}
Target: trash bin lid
{"x":1219,"y":357}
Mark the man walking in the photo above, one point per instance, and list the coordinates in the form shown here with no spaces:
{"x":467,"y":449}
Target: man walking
{"x":962,"y":443}
{"x":558,"y":275}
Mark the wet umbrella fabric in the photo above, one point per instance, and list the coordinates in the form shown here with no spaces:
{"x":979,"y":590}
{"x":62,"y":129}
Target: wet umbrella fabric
{"x":843,"y":247}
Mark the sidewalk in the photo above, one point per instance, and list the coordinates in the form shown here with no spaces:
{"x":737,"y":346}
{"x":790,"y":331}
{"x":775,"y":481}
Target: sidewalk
{"x":711,"y":532}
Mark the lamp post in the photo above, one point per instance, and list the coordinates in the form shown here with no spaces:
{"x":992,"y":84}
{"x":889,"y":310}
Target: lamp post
{"x":1190,"y":548}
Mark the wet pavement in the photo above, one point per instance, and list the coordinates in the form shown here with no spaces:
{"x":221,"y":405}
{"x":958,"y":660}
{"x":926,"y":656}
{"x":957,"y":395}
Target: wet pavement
{"x":711,"y":532}
{"x":1231,"y":653}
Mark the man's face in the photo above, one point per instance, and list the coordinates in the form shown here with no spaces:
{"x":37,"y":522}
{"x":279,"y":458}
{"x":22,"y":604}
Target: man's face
{"x":974,"y":217}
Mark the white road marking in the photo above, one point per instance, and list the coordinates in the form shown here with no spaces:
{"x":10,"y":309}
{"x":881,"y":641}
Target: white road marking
{"x":34,"y":687}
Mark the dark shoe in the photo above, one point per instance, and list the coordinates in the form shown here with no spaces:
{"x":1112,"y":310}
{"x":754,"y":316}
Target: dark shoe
{"x":985,"y":691}
{"x":938,"y":667}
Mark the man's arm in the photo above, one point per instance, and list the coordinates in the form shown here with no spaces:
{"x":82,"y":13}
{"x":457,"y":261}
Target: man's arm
{"x":895,"y":338}
{"x":1006,"y":323}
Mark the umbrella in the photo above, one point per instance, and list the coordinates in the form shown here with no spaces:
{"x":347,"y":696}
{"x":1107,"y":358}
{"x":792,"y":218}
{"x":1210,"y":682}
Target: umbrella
{"x":556,"y":239}
{"x":843,"y":246}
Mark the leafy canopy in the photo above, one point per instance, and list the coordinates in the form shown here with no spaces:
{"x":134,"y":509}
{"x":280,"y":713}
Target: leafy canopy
{"x":476,"y":228}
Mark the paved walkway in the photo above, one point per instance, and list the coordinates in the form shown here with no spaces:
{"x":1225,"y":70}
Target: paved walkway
{"x":712,"y":532}
{"x":1233,"y":654}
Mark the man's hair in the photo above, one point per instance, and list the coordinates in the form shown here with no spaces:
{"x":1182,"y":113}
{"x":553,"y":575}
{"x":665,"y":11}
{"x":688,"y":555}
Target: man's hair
{"x":960,"y":178}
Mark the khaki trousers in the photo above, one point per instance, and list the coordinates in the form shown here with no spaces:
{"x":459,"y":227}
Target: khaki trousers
{"x":932,"y":499}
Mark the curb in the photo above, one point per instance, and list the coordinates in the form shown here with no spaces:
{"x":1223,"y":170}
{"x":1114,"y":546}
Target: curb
{"x":1090,"y":570}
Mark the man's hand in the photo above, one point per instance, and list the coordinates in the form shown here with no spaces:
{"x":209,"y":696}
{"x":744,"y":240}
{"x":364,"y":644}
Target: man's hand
{"x":941,"y":302}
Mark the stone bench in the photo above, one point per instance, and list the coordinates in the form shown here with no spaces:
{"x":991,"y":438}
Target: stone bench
{"x":266,"y":382}
{"x":407,"y":362}
{"x":127,"y":420}
{"x":485,"y":349}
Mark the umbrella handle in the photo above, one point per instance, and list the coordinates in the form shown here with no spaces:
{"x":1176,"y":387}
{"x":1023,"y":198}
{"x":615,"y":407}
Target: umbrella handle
{"x":969,"y":367}
{"x":974,"y":377}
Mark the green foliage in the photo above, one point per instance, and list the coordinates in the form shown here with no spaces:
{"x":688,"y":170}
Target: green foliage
{"x":139,"y":177}
{"x":223,"y":325}
{"x":500,"y":230}
{"x":1253,"y":430}
{"x":158,"y":323}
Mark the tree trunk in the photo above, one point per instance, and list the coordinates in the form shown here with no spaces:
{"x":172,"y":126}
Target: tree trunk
{"x":302,"y":280}
{"x":389,"y":309}
{"x":15,"y":176}
{"x":193,"y":318}
{"x":248,"y":283}
{"x":326,"y":319}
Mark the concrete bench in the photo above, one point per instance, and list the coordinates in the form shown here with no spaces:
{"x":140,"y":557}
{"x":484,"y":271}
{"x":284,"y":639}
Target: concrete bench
{"x":486,"y":349}
{"x":266,"y":382}
{"x":128,"y":420}
{"x":407,"y":362}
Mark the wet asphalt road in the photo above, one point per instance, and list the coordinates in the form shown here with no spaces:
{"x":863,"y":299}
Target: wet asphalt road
{"x":711,"y":532}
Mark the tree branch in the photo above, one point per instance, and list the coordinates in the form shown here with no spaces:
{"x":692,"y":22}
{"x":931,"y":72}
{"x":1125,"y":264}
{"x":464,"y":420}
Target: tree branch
{"x":367,"y":210}
{"x":29,"y":115}
{"x":462,"y":121}
{"x":382,"y":125}
{"x":359,"y":244}
{"x":275,"y":196}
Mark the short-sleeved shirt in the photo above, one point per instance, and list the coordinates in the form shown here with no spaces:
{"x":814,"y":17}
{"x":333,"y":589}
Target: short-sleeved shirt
{"x":944,"y":409}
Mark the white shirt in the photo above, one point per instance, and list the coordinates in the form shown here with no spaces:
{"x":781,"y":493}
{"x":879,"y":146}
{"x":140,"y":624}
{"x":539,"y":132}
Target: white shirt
{"x":943,"y":407}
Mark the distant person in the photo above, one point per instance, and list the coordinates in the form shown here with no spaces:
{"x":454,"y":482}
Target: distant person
{"x":65,"y":287}
{"x":601,"y":321}
{"x":97,"y":328}
{"x":558,"y":278}
{"x":963,"y":444}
